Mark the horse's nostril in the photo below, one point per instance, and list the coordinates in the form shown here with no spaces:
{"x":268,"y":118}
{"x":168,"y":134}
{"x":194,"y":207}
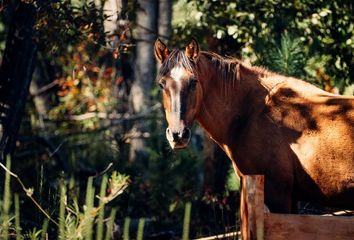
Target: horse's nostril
{"x":186,"y":133}
{"x":178,"y":136}
{"x":175,"y":136}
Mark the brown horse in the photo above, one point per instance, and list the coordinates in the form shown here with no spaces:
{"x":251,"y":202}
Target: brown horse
{"x":300,"y":137}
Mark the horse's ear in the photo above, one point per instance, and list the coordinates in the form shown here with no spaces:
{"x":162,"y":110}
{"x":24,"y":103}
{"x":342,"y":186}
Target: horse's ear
{"x":192,"y":50}
{"x":161,"y":50}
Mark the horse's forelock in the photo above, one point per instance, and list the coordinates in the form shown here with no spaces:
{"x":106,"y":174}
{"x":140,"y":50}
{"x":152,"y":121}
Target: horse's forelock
{"x":175,"y":58}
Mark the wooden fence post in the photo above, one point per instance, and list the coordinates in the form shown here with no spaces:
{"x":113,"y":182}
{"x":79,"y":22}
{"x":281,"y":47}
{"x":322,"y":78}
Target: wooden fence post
{"x":258,"y":225}
{"x":252,"y":207}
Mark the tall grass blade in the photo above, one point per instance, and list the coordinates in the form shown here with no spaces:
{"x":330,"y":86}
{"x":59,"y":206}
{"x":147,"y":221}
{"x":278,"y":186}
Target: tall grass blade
{"x":17,"y":217}
{"x":62,"y":212}
{"x":74,"y":190}
{"x":44,"y":229}
{"x":126,"y":228}
{"x":140,"y":233}
{"x":110,"y":224}
{"x":88,"y":217}
{"x":186,"y":221}
{"x":99,"y":229}
{"x":6,"y":202}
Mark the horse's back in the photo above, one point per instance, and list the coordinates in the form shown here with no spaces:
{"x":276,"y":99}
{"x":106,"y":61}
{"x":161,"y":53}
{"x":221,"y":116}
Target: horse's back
{"x":319,"y":128}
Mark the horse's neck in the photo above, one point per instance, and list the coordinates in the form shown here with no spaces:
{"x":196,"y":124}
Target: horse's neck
{"x":228,"y":103}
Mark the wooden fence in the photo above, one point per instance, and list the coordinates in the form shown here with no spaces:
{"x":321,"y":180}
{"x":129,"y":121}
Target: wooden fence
{"x":256,"y":223}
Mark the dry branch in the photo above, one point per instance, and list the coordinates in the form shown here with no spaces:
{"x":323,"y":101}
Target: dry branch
{"x":116,"y":118}
{"x":231,"y":235}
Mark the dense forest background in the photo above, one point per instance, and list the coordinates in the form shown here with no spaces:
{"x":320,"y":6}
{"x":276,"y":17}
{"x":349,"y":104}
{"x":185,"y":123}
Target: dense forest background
{"x":80,"y":110}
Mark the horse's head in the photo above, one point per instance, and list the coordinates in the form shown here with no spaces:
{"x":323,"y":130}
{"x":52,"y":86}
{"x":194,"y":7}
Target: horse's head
{"x":181,"y":89}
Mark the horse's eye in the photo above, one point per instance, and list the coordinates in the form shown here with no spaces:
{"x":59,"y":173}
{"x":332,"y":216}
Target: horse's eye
{"x":193,"y":84}
{"x":162,"y":84}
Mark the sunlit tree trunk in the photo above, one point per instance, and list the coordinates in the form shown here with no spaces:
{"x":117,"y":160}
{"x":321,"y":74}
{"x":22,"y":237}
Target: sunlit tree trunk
{"x":112,"y":9}
{"x":16,"y":74}
{"x":144,"y":70}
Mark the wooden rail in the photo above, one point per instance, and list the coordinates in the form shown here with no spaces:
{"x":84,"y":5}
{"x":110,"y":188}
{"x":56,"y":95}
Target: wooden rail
{"x":256,"y":223}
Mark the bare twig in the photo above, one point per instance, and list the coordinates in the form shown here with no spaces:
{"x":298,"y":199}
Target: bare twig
{"x":104,"y":171}
{"x":45,"y":88}
{"x":56,"y":150}
{"x":109,"y":116}
{"x":29,"y":193}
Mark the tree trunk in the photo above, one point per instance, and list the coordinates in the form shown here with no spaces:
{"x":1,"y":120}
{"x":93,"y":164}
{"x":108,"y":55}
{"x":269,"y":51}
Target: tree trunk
{"x":41,"y":100}
{"x":112,"y":9}
{"x":165,"y":17}
{"x":144,"y":70}
{"x":15,"y":74}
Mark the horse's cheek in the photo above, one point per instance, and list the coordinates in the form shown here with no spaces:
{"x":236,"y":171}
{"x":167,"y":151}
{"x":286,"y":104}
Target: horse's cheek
{"x":194,"y":104}
{"x":198,"y":98}
{"x":167,"y":106}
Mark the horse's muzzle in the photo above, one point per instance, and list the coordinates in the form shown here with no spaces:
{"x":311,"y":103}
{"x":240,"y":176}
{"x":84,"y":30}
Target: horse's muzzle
{"x":178,"y":138}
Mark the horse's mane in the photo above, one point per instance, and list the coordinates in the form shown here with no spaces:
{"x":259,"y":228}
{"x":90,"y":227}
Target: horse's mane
{"x":228,"y":67}
{"x":225,"y":64}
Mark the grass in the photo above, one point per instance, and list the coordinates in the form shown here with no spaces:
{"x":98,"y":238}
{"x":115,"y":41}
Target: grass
{"x":126,"y":228}
{"x":6,"y":203}
{"x":100,"y":219}
{"x":186,"y":220}
{"x":74,"y":222}
{"x":140,"y":232}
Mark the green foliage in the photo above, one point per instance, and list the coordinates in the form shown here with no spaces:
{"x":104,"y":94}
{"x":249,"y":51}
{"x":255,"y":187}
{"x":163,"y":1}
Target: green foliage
{"x":232,"y":180}
{"x":79,"y":223}
{"x":324,"y":28}
{"x":33,"y":234}
{"x":65,"y":22}
{"x":178,"y":178}
{"x":287,"y":58}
